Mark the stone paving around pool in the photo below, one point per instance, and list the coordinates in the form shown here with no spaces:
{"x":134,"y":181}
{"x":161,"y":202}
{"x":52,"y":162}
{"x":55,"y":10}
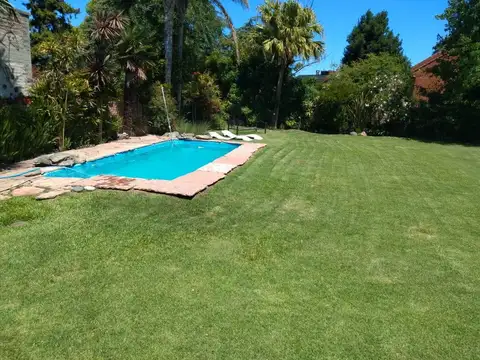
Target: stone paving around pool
{"x":185,"y":186}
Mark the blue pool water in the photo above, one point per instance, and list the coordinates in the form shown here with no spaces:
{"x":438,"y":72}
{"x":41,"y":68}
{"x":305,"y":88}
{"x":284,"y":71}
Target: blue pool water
{"x":166,"y":161}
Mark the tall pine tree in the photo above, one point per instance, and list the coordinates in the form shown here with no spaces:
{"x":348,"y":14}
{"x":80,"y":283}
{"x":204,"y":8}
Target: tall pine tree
{"x":371,"y":35}
{"x":49,"y":16}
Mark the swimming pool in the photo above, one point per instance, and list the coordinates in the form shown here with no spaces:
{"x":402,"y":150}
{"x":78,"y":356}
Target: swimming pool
{"x":163,"y":161}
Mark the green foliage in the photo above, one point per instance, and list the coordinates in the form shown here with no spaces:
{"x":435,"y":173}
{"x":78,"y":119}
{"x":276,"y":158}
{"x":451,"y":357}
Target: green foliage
{"x":373,"y":94}
{"x":290,"y":30}
{"x":136,"y":58}
{"x":158,"y":119}
{"x":454,"y":114}
{"x":24,"y":133}
{"x":204,"y":96}
{"x":198,"y":128}
{"x":247,"y":89}
{"x":48,"y":17}
{"x":371,"y":35}
{"x":62,"y":92}
{"x":256,"y":78}
{"x":103,"y":31}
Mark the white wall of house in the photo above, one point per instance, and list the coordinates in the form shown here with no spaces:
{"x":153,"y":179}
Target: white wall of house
{"x":15,"y":56}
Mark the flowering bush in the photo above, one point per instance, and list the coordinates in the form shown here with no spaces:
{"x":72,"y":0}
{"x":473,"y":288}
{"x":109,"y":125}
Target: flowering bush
{"x":373,"y":94}
{"x":384,"y":101}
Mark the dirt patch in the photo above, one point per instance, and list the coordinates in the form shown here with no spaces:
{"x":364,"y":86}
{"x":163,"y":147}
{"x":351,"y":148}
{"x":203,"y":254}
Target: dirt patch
{"x":421,"y":232}
{"x":299,"y":207}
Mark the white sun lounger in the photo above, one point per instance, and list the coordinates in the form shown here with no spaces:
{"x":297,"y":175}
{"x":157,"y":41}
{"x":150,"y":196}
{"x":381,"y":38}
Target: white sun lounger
{"x":217,"y":136}
{"x":233,"y":136}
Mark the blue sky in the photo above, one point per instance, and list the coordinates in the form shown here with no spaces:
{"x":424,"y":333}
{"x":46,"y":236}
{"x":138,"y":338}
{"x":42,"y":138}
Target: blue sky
{"x":414,"y":20}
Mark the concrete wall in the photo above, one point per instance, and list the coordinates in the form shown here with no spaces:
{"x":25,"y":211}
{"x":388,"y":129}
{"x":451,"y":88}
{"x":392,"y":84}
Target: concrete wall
{"x":15,"y":57}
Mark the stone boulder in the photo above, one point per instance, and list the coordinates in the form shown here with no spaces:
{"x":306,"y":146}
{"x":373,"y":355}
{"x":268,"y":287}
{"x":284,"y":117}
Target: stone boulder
{"x":51,"y":194}
{"x":353,"y":133}
{"x":27,"y":191}
{"x":59,"y":159}
{"x":66,"y":162}
{"x":123,"y":136}
{"x":203,"y":137}
{"x":187,"y":136}
{"x":43,"y":160}
{"x":173,"y":134}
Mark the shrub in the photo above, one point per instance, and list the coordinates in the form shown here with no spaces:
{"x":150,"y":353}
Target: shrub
{"x":183,"y":126}
{"x":373,"y":94}
{"x":23,"y":134}
{"x":71,"y":110}
{"x":204,"y":97}
{"x":158,"y":118}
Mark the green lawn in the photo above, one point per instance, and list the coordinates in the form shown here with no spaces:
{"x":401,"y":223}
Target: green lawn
{"x":331,"y":247}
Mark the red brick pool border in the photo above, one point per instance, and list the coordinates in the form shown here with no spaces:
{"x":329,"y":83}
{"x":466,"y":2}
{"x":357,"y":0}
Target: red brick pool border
{"x":184,"y":186}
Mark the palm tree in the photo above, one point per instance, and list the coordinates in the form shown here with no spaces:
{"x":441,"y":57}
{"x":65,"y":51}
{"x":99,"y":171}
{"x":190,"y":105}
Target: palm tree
{"x":290,"y":30}
{"x":104,"y":30}
{"x":8,"y":9}
{"x":228,"y":20}
{"x":135,"y":58}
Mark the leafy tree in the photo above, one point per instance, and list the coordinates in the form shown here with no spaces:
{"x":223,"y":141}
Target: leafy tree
{"x":161,"y":114}
{"x":371,"y":35}
{"x":63,"y":87}
{"x":257,"y":76}
{"x":290,"y":31}
{"x":199,"y":30}
{"x":460,"y":69}
{"x":49,"y":16}
{"x":181,"y":6}
{"x":203,"y":94}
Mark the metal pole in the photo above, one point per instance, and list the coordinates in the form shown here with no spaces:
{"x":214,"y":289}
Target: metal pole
{"x":166,"y":111}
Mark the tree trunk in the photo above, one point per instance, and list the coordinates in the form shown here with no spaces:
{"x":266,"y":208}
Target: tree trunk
{"x":278,"y":96}
{"x":128,"y":103}
{"x":230,"y":25}
{"x":182,"y":9}
{"x":64,"y":121}
{"x":168,"y":34}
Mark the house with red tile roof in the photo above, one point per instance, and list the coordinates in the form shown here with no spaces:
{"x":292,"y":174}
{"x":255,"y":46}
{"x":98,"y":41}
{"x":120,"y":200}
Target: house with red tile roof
{"x":425,"y":81}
